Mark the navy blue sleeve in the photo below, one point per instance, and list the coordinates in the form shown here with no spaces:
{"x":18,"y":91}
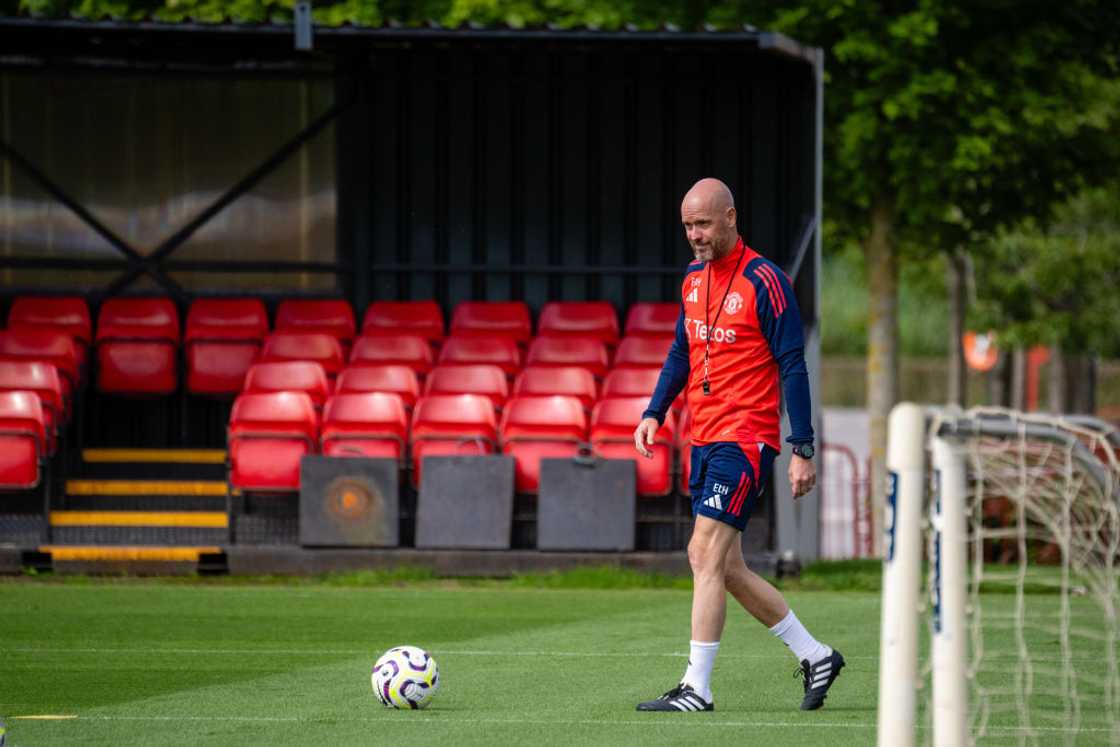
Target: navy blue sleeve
{"x":674,"y":375}
{"x":780,"y":321}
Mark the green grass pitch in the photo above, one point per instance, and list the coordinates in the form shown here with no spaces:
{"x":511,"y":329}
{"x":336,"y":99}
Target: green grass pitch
{"x":155,"y":663}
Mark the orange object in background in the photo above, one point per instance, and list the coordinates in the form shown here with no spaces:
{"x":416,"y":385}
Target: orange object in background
{"x":980,"y":351}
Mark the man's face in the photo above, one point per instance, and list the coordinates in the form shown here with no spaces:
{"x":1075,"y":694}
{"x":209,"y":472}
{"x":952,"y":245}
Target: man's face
{"x":710,"y":232}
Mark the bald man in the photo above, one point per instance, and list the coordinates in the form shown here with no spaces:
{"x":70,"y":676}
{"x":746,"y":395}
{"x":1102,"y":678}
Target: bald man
{"x":739,"y":331}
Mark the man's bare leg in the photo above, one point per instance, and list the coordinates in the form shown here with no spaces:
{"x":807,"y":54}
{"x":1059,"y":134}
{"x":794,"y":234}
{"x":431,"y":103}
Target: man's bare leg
{"x":757,"y":596}
{"x":767,"y":605}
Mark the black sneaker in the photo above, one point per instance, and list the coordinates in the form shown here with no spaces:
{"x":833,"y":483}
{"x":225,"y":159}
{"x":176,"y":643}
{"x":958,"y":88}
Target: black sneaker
{"x":818,"y":678}
{"x":680,"y":698}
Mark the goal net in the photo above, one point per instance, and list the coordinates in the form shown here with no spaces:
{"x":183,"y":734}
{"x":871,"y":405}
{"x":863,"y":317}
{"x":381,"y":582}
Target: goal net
{"x":1016,"y":519}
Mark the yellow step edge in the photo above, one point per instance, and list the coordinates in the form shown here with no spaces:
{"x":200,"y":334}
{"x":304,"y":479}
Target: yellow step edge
{"x":169,"y":456}
{"x":93,"y":552}
{"x":146,"y":487}
{"x":199,"y":519}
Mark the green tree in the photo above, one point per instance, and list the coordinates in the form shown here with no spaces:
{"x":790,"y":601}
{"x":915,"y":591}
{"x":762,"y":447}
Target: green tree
{"x":947,"y":120}
{"x":1057,"y":286}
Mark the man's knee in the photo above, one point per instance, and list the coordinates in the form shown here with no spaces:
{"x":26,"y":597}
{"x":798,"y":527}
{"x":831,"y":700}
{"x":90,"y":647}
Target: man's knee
{"x":707,"y":551}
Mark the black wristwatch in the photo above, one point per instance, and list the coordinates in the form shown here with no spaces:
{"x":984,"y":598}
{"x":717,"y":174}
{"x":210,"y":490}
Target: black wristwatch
{"x":805,"y":451}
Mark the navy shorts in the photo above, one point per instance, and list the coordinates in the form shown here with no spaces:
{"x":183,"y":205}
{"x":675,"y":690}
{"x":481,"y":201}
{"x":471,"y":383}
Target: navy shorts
{"x":726,"y":480}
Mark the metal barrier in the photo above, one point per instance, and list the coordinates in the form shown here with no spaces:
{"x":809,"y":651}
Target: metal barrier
{"x":845,"y":504}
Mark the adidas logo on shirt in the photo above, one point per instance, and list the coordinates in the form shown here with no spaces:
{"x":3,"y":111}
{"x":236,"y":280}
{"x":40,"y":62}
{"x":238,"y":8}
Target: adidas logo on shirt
{"x":714,"y":502}
{"x":694,"y":296}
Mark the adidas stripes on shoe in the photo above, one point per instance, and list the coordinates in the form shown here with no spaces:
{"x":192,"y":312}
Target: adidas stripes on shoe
{"x":680,"y":698}
{"x":818,"y":678}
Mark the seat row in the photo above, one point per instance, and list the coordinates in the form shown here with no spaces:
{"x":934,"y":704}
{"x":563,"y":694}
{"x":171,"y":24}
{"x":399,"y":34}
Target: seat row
{"x":137,"y":339}
{"x":486,"y":380}
{"x":270,"y":432}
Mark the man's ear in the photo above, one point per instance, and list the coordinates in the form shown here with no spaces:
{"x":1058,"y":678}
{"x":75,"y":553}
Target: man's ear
{"x":731,"y":216}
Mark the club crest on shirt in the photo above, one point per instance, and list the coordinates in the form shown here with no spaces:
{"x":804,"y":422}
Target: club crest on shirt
{"x":733,"y":303}
{"x":696,"y":281}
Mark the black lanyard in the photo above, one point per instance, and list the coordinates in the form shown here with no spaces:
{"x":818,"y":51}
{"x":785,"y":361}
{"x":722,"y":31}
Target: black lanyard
{"x":707,"y":307}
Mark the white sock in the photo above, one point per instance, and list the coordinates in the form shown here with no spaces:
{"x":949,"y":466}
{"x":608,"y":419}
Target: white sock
{"x":701,"y":658}
{"x":803,"y":645}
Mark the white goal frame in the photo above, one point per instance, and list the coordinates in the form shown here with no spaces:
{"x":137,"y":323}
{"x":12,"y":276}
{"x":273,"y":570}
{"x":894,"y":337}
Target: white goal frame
{"x":942,"y":435}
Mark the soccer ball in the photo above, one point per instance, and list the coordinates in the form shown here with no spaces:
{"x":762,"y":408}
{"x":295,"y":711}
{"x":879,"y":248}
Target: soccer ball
{"x":405,"y":677}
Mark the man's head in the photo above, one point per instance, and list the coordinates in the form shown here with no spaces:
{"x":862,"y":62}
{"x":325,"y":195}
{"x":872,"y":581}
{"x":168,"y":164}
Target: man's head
{"x":708,"y":215}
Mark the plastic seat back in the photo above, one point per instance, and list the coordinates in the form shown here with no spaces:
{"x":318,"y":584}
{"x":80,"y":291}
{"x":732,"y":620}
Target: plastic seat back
{"x":489,"y":381}
{"x":43,"y":380}
{"x":569,"y":351}
{"x":221,"y":319}
{"x":495,"y":351}
{"x":399,"y":380}
{"x":137,"y":346}
{"x":452,"y":425}
{"x":454,"y":416}
{"x":68,"y":314}
{"x":544,"y":418}
{"x":491,"y":319}
{"x":593,"y":320}
{"x":360,"y":424}
{"x":420,"y":318}
{"x":223,"y":339}
{"x":568,"y":381}
{"x":269,"y":433}
{"x":332,"y":316}
{"x":23,"y":440}
{"x":642,"y":352}
{"x":615,"y":420}
{"x":400,"y":350}
{"x":630,"y":382}
{"x":45,"y":346}
{"x":653,"y":320}
{"x":289,"y":376}
{"x":536,"y":428}
{"x":315,"y":347}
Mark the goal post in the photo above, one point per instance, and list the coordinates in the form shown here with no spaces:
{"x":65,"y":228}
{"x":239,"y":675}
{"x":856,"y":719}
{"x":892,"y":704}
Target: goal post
{"x":898,"y":630}
{"x":1017,"y":517}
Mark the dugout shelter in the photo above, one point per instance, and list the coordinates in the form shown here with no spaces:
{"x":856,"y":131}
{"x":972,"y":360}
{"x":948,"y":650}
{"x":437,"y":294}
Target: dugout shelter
{"x":178,"y":162}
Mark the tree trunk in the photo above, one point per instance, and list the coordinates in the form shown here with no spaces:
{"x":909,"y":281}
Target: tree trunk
{"x":1018,"y":399}
{"x":956,"y":268}
{"x":1056,"y":399}
{"x":882,"y":349}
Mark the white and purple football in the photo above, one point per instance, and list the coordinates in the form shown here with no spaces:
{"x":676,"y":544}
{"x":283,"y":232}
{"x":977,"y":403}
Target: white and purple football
{"x":405,"y":677}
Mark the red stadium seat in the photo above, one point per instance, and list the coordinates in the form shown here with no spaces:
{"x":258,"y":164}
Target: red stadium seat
{"x":612,"y":437}
{"x":642,"y":352}
{"x":268,"y":435}
{"x":452,"y":425}
{"x":569,"y":351}
{"x":22,"y":440}
{"x":594,"y":320}
{"x":653,"y":320}
{"x":43,"y":380}
{"x":315,"y":347}
{"x":636,"y":382}
{"x":332,"y":317}
{"x":137,"y":346}
{"x":489,"y":381}
{"x":491,"y":319}
{"x":495,"y":351}
{"x":541,"y":427}
{"x":684,"y":448}
{"x":364,"y":425}
{"x":398,"y":380}
{"x":569,"y":381}
{"x":223,"y":338}
{"x":69,"y":314}
{"x":420,"y":318}
{"x":289,"y":376}
{"x":397,"y":350}
{"x":43,"y":346}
